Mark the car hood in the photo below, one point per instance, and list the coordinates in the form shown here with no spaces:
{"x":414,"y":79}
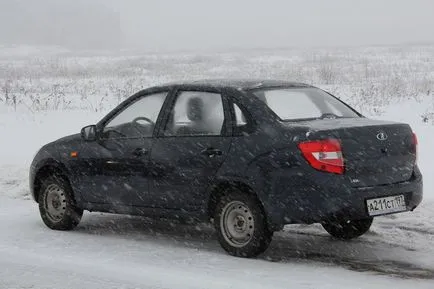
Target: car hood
{"x":68,"y":139}
{"x":53,"y":148}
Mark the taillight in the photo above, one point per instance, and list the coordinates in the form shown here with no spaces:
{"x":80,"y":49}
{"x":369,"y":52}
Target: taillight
{"x":415,"y":143}
{"x":324,"y":155}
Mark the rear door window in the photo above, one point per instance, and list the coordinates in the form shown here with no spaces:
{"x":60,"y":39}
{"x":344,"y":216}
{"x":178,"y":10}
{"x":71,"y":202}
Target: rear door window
{"x":196,"y":113}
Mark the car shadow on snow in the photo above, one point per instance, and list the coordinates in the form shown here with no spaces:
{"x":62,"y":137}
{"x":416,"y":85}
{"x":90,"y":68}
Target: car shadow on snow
{"x":358,"y":255}
{"x":289,"y":246}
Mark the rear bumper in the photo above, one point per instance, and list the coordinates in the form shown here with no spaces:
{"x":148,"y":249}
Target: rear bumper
{"x":302,"y":201}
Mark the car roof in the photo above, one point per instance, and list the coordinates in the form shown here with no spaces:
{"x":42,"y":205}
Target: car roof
{"x":241,"y":84}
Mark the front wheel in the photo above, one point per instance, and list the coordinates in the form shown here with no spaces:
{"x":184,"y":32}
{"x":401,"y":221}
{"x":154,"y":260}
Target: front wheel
{"x":241,"y":225}
{"x":348,"y":229}
{"x":57,"y":206}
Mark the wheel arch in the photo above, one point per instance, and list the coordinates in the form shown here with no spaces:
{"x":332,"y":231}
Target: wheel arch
{"x":222,"y":187}
{"x":49,"y":168}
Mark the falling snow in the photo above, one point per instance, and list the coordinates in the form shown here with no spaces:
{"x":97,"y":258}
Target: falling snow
{"x":108,"y":251}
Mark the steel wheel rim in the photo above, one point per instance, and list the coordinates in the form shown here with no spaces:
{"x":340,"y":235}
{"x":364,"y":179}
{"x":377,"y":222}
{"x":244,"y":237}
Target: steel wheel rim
{"x":237,"y":224}
{"x":55,"y":203}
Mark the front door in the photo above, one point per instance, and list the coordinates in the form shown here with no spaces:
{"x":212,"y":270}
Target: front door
{"x":189,"y":150}
{"x":116,"y":168}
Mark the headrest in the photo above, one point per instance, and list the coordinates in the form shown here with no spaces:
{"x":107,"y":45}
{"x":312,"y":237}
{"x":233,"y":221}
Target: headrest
{"x":195,"y":109}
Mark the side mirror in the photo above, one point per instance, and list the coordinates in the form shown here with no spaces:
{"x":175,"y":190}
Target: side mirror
{"x":88,"y":133}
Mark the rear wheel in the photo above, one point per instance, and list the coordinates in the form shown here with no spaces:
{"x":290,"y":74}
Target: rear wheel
{"x":348,"y":229}
{"x":241,"y":225}
{"x":57,"y":206}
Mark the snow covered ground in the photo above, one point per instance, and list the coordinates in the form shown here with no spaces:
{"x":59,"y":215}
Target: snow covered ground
{"x":57,"y":95}
{"x":123,"y":252}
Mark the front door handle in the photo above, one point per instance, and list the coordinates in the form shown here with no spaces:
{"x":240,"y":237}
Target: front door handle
{"x":212,"y":152}
{"x":139,"y":152}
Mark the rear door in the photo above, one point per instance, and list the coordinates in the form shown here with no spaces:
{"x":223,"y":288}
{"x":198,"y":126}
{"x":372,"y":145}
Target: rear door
{"x":192,"y":144}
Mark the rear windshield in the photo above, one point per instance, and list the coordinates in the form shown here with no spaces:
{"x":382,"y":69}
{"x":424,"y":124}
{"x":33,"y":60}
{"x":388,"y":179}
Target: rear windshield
{"x":292,"y":104}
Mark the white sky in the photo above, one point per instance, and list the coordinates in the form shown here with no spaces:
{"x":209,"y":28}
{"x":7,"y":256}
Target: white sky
{"x":170,"y":25}
{"x":204,"y":24}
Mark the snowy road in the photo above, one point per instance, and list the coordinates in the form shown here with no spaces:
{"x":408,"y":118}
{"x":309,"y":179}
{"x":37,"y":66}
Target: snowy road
{"x":108,"y":251}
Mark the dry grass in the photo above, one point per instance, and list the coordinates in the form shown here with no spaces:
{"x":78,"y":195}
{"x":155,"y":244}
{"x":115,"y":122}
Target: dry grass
{"x":369,"y":78}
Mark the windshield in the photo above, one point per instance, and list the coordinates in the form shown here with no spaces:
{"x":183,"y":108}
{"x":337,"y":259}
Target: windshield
{"x":291,"y":104}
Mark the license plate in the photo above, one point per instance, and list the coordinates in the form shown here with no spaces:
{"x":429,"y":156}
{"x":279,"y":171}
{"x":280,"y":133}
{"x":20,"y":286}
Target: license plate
{"x":386,"y":205}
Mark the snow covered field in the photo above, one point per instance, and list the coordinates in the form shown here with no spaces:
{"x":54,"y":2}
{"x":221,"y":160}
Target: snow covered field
{"x":53,"y":93}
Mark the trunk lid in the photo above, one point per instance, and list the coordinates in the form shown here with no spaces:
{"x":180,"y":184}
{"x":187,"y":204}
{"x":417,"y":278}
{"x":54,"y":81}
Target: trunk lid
{"x":375,"y":152}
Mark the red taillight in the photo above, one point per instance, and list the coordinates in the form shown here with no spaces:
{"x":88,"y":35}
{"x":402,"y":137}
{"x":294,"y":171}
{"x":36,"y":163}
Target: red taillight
{"x":415,"y":143}
{"x":324,"y":155}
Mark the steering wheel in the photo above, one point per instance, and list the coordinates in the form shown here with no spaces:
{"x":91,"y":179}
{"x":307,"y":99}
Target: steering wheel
{"x":112,"y":131}
{"x":137,"y":119}
{"x":328,"y":115}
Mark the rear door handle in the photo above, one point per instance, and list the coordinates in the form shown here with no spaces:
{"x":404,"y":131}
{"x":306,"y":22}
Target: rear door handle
{"x":139,"y":152}
{"x":212,"y":152}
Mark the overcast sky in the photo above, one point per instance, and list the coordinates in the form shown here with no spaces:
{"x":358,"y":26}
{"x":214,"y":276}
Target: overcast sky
{"x":170,"y":25}
{"x":180,"y":24}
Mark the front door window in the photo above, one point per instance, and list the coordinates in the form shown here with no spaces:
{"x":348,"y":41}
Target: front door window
{"x":136,"y":120}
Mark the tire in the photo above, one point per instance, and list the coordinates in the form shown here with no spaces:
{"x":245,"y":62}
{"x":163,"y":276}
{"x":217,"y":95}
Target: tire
{"x":241,"y":225}
{"x":348,"y":230}
{"x":57,"y":206}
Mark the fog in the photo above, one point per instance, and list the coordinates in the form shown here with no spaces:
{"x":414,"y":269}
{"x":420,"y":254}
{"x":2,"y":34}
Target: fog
{"x":170,"y":25}
{"x":80,"y":24}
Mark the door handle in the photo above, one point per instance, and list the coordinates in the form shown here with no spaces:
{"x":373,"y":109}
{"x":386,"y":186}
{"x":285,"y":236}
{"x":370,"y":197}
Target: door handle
{"x":212,"y":152}
{"x":139,"y":152}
